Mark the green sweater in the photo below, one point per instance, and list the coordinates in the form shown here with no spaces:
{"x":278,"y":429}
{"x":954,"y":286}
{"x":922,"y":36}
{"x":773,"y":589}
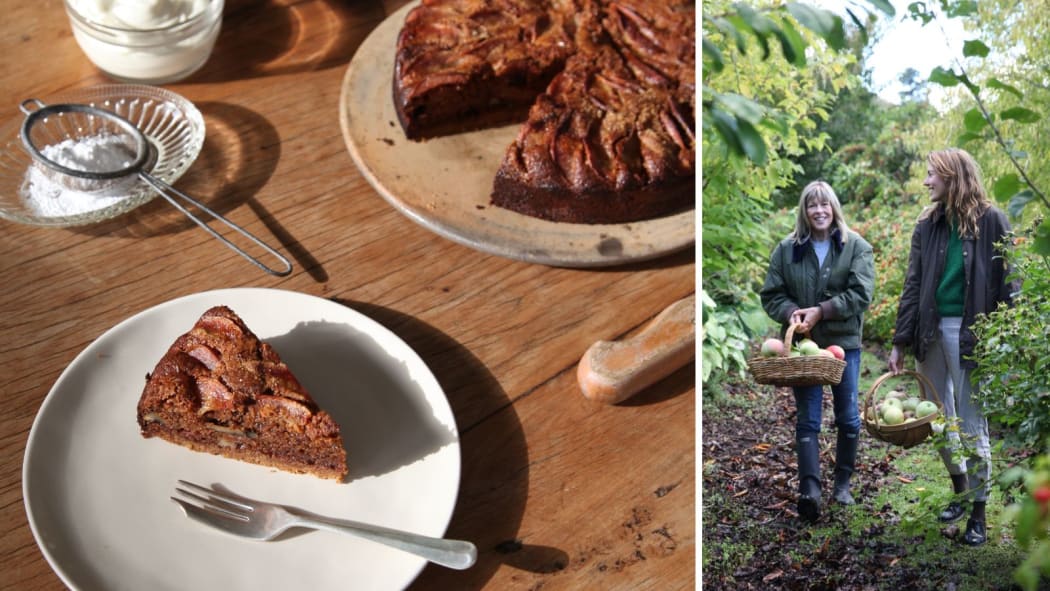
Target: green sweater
{"x":951,"y":289}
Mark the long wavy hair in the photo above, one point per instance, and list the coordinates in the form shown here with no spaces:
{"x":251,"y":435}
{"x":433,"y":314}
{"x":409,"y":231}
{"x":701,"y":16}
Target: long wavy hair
{"x":965,"y":199}
{"x":818,"y":192}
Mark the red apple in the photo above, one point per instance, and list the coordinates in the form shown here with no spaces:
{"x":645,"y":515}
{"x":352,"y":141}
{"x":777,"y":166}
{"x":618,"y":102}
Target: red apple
{"x":837,"y":352}
{"x":1042,"y":494}
{"x":772,"y":348}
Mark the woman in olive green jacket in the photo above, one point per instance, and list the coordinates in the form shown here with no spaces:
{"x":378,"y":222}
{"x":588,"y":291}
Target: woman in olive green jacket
{"x":822,"y":277}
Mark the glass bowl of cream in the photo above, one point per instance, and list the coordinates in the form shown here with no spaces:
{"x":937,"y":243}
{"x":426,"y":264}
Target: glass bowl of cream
{"x":146,"y":41}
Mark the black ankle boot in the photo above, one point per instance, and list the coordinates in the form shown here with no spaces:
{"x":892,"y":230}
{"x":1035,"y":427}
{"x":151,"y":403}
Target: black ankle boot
{"x":954,"y":511}
{"x":976,"y":534}
{"x":845,"y":463}
{"x":808,"y":450}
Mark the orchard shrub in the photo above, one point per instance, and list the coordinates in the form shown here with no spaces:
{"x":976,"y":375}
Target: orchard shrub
{"x":1013,"y":354}
{"x":888,"y":228}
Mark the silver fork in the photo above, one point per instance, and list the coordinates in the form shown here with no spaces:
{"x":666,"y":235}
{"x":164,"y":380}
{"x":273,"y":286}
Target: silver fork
{"x":263,"y":521}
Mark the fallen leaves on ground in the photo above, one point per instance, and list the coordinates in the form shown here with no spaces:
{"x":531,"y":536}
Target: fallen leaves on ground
{"x":749,"y":457}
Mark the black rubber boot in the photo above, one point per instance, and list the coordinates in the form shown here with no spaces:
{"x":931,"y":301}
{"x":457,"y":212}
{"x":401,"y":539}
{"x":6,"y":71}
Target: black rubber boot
{"x":845,"y":463}
{"x":954,"y":511}
{"x":808,"y":449}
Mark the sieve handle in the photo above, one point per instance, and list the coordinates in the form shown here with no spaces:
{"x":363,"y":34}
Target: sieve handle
{"x":171,"y":193}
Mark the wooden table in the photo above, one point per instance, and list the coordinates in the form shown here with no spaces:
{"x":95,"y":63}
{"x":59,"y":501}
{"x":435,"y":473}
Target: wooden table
{"x":558,"y":492}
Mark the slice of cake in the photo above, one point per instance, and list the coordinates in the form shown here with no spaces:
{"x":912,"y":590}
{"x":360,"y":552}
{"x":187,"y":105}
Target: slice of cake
{"x":471,"y":64}
{"x":219,"y":389}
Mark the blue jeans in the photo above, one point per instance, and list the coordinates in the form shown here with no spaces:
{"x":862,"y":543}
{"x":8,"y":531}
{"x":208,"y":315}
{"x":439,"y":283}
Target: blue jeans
{"x":809,"y":401}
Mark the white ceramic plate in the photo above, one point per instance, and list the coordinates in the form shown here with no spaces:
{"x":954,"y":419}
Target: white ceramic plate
{"x":97,"y":493}
{"x":444,"y":184}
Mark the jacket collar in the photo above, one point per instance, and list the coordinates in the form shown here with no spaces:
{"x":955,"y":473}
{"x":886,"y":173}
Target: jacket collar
{"x":798,"y":250}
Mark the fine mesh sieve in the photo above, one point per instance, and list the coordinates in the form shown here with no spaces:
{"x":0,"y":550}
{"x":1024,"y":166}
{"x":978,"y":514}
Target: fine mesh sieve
{"x":131,"y":154}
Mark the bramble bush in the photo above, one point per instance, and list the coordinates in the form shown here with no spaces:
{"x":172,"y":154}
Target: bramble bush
{"x":887,"y":226}
{"x":1013,"y":349}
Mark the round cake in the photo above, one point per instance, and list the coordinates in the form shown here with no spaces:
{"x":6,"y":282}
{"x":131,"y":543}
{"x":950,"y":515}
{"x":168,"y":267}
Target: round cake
{"x":606,"y":91}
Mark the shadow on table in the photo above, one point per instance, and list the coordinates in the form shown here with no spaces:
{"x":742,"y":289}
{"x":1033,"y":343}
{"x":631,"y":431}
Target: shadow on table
{"x":240,"y":153}
{"x":673,"y":386}
{"x":269,"y":38}
{"x":495,"y":460}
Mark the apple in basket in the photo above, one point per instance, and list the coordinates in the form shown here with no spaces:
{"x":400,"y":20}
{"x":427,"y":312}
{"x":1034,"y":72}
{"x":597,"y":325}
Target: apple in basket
{"x":893,"y":415}
{"x":837,"y":351}
{"x":772,"y":348}
{"x":808,"y":347}
{"x":924,"y":408}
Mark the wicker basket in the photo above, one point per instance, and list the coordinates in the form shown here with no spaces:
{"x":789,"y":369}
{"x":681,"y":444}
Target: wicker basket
{"x":906,"y":434}
{"x":803,"y":370}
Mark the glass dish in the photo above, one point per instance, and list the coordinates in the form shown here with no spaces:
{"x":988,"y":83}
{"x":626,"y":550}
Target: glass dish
{"x":171,"y":123}
{"x":144,"y":42}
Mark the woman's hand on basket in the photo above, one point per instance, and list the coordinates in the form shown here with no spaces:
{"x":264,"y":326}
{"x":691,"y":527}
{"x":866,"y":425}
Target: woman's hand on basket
{"x":806,"y":318}
{"x":896,"y":360}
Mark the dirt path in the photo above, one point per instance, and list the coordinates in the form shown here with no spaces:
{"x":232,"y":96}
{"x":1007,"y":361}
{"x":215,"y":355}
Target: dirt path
{"x":750,"y":489}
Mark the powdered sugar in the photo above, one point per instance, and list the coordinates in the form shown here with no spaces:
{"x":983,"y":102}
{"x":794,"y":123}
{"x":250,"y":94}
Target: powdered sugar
{"x":49,"y":193}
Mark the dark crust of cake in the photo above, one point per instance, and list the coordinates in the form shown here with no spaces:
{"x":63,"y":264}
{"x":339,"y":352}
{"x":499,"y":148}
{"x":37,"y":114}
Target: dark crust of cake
{"x":593,"y":207}
{"x":219,"y":389}
{"x":610,"y":139}
{"x":466,"y":65}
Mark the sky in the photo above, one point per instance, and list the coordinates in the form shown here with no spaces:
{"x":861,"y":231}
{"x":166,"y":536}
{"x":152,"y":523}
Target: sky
{"x":904,"y":44}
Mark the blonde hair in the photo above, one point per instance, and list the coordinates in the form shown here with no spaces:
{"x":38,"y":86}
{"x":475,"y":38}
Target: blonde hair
{"x":965,"y":199}
{"x":818,"y":191}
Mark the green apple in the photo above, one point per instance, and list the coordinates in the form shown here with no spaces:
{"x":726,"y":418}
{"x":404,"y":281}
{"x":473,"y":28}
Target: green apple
{"x":924,"y":408}
{"x":808,"y":347}
{"x":910,"y":403}
{"x":893,"y":415}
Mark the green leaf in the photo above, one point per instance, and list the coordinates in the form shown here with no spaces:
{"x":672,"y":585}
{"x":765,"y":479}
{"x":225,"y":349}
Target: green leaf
{"x":822,"y":22}
{"x":1018,"y":202}
{"x":713,"y":55}
{"x":918,"y":11}
{"x":960,"y":8}
{"x":975,"y":47}
{"x":758,"y":24}
{"x":970,"y":85}
{"x":742,"y":107}
{"x":944,"y":77}
{"x":1041,"y":240}
{"x":1027,"y":521}
{"x":1006,"y":186}
{"x":968,"y":136}
{"x":730,"y":31}
{"x":995,"y":83}
{"x":792,"y":44}
{"x":725,"y":125}
{"x":752,"y":141}
{"x":884,"y":6}
{"x":974,"y":120}
{"x":1021,"y":115}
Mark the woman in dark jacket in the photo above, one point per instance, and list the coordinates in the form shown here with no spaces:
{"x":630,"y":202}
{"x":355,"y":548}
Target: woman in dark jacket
{"x":956,"y":271}
{"x":822,"y":277}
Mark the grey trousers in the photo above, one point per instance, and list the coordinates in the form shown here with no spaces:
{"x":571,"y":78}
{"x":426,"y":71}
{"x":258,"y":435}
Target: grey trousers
{"x":957,"y":392}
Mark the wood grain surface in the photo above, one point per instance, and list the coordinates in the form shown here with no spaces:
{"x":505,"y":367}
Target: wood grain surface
{"x":558,"y":492}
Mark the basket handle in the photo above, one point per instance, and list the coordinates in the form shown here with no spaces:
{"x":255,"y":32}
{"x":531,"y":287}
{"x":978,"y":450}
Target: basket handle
{"x":788,"y":337}
{"x":924,"y":385}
